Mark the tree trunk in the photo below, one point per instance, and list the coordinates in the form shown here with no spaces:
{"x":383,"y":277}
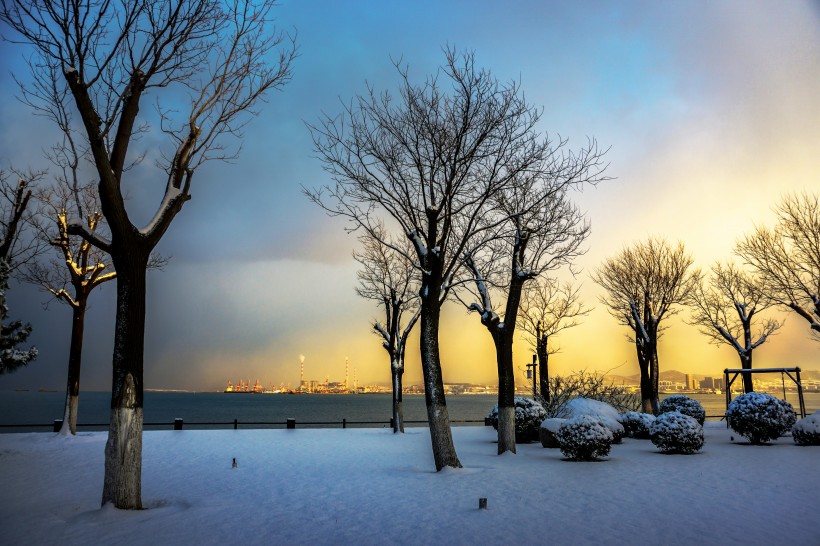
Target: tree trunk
{"x":503,"y":338}
{"x":123,"y":450}
{"x":646,"y":383}
{"x":398,"y":410}
{"x":746,"y":364}
{"x":654,"y":375}
{"x":444,"y":452}
{"x":506,"y":392}
{"x":543,"y":367}
{"x":75,"y":360}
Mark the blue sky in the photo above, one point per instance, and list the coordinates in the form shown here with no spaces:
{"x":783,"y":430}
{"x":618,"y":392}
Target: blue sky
{"x":710,"y":110}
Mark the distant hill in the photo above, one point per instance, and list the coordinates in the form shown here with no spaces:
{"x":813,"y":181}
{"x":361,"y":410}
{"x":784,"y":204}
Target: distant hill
{"x":814,"y":375}
{"x":680,"y":377}
{"x":670,"y":375}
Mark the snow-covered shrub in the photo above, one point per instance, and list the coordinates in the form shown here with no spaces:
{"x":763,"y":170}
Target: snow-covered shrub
{"x":806,"y":432}
{"x":760,"y":417}
{"x":602,"y":411}
{"x":674,"y":432}
{"x":528,"y":417}
{"x":584,"y":438}
{"x":636,"y":425}
{"x":685,"y":405}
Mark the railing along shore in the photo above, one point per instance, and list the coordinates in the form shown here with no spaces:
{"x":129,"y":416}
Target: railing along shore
{"x":179,"y":424}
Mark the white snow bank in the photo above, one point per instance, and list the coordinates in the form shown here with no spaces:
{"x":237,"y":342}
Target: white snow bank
{"x":369,"y":486}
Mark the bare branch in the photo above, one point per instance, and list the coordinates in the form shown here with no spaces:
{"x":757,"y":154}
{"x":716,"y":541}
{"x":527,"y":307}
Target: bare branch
{"x":787,"y":257}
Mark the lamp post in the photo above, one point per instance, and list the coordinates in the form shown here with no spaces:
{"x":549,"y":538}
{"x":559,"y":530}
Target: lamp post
{"x":532,"y":374}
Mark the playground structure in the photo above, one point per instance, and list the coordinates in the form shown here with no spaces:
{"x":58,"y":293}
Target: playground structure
{"x":782,"y":371}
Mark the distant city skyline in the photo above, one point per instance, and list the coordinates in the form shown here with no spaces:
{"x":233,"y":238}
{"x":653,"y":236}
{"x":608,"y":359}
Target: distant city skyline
{"x":710,"y":110}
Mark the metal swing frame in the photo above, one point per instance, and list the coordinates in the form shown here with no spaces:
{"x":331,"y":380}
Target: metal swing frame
{"x":787,"y":371}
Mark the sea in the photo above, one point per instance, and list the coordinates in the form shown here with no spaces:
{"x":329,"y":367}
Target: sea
{"x":36,"y":411}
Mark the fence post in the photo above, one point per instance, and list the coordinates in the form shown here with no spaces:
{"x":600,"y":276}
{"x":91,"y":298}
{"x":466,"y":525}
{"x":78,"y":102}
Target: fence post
{"x":291,"y":422}
{"x":344,"y":423}
{"x":235,"y":424}
{"x":392,"y":423}
{"x":58,"y":424}
{"x":178,"y":423}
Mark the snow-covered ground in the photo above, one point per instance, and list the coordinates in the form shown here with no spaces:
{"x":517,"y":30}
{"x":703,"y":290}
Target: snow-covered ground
{"x":369,"y":486}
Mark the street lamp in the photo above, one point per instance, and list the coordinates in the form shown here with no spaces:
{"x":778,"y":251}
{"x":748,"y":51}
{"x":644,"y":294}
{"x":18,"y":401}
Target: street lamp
{"x":531,"y":374}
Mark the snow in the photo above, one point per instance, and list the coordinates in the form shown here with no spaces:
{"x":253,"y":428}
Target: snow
{"x":370,"y":486}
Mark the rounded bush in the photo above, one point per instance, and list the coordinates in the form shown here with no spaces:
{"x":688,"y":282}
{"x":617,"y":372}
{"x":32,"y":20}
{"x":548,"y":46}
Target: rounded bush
{"x":674,"y":432}
{"x":806,"y":432}
{"x":528,"y":417}
{"x":602,"y":411}
{"x":760,"y":417}
{"x":636,"y":425}
{"x":584,"y":438}
{"x":685,"y":405}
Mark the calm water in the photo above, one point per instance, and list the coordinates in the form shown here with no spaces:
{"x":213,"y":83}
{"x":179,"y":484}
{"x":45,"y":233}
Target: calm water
{"x":42,"y":408}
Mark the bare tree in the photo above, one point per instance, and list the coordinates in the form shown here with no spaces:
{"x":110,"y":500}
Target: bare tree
{"x":548,"y":307}
{"x":212,"y":56}
{"x":15,"y":250}
{"x":388,"y":278}
{"x":644,"y":284}
{"x":431,"y":160}
{"x":544,"y":232}
{"x":71,"y":278}
{"x":726,"y":308}
{"x":787,"y":257}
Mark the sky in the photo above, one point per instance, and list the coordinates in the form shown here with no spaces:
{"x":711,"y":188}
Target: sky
{"x":710,"y":111}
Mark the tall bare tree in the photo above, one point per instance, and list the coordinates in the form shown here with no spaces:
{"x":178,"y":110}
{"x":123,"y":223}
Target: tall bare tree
{"x":208,"y":64}
{"x":15,"y":250}
{"x":548,"y":307}
{"x":431,"y":160}
{"x":71,"y":278}
{"x":544,"y":232}
{"x":388,"y":278}
{"x":726,"y":308}
{"x":787,"y":257}
{"x":644,"y":284}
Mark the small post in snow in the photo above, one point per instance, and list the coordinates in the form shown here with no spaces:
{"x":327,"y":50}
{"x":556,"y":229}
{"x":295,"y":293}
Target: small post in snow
{"x":178,"y":423}
{"x":291,"y":423}
{"x":58,"y":424}
{"x":482,"y":503}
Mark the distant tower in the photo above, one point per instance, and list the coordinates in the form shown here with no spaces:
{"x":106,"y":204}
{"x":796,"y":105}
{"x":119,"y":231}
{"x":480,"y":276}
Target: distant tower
{"x":355,"y":382}
{"x":346,"y":366}
{"x":301,"y":375}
